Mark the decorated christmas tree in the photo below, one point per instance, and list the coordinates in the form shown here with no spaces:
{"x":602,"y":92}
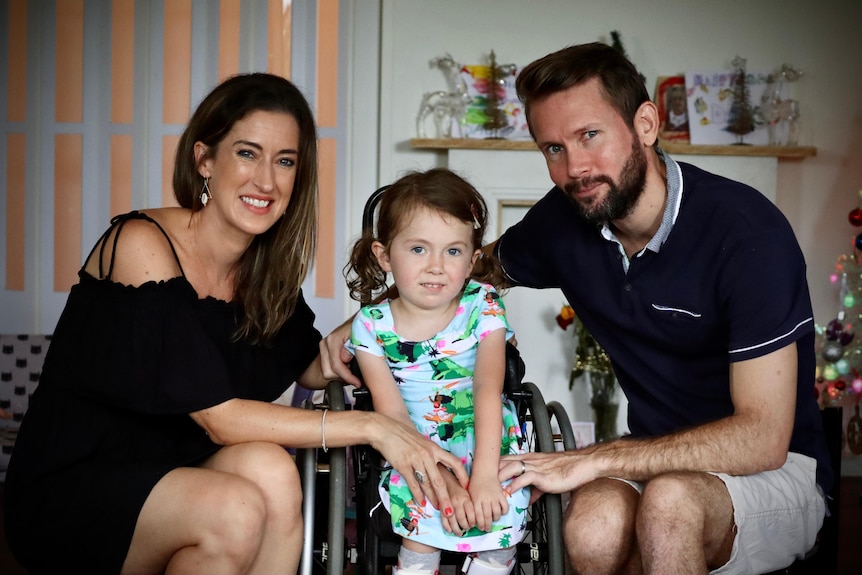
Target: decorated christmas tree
{"x":740,"y":117}
{"x":838,"y":343}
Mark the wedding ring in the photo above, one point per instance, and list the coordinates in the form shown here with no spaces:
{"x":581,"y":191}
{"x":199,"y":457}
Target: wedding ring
{"x":420,"y":477}
{"x":523,"y":469}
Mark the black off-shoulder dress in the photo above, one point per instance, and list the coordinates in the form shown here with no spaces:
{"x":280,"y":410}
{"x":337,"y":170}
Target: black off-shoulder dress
{"x":110,"y":417}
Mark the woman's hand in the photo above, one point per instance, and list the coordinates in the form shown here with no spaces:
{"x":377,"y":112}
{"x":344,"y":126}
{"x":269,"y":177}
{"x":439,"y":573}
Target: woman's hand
{"x":334,"y":359}
{"x":489,"y":500}
{"x":409,"y":452}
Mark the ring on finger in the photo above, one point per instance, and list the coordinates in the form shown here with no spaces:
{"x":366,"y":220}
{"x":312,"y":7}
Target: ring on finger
{"x":523,"y":469}
{"x":420,"y":477}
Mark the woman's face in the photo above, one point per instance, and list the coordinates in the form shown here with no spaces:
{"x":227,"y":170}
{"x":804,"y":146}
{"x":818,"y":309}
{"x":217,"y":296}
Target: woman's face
{"x":252,"y":173}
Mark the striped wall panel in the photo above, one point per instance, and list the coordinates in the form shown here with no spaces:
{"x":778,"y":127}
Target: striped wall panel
{"x":95,"y":94}
{"x":16,"y":144}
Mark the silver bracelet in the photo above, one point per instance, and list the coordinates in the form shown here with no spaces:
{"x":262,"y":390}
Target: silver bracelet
{"x":323,"y":431}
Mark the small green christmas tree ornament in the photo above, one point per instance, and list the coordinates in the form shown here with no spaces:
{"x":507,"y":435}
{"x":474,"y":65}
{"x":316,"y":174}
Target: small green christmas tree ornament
{"x":617,"y":44}
{"x":740,"y":118}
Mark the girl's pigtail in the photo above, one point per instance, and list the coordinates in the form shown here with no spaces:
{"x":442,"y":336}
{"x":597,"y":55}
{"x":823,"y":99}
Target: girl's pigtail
{"x":364,"y":275}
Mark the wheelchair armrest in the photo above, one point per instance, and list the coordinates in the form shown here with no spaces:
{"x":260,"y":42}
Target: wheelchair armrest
{"x":515,"y":369}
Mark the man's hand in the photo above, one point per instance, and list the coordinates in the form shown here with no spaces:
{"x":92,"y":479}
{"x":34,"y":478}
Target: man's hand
{"x":558,"y":472}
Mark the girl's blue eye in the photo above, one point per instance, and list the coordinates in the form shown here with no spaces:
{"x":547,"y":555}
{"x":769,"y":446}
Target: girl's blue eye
{"x":417,"y":250}
{"x":454,"y":251}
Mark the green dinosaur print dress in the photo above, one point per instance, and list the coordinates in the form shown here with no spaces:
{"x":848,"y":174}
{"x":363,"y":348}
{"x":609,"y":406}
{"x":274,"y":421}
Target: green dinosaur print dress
{"x":435,"y":378}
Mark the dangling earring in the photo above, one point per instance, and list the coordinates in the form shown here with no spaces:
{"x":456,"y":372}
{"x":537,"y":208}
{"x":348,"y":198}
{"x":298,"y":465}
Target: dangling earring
{"x":206,"y":194}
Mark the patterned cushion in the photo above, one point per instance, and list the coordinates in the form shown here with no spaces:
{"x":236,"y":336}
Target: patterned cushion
{"x":21,"y":357}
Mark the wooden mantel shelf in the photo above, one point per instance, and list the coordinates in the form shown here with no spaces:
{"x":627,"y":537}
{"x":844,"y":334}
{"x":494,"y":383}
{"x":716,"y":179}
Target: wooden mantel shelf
{"x":780,"y":152}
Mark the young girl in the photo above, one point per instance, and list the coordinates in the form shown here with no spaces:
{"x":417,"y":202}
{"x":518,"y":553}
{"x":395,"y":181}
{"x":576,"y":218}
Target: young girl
{"x":434,"y":354}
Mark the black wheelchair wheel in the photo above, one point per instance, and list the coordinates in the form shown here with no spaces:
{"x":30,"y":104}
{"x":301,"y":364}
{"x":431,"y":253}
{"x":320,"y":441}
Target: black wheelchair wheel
{"x":558,"y":413}
{"x":542,"y":549}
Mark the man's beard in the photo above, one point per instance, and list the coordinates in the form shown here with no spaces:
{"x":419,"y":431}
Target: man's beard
{"x":621,"y":198}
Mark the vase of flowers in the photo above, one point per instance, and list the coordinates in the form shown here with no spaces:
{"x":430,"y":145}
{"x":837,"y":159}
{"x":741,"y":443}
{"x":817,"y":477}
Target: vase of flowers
{"x":593,"y":362}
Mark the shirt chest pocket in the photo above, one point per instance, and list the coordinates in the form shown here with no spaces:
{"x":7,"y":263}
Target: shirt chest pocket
{"x":682,"y":324}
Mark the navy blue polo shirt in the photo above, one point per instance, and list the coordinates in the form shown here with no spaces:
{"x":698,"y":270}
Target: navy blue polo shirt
{"x":723,"y":281}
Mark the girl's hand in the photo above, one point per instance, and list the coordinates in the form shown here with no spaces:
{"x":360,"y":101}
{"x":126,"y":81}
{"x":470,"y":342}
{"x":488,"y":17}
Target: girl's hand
{"x":460,"y":516}
{"x":489,"y":500}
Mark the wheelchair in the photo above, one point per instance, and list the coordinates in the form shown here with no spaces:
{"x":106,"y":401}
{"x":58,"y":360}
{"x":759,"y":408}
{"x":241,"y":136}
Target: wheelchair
{"x":540,"y":552}
{"x":545,"y":426}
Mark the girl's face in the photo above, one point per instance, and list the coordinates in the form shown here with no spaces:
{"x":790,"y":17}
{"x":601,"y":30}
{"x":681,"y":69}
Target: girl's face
{"x":430,"y":258}
{"x":253,"y":170}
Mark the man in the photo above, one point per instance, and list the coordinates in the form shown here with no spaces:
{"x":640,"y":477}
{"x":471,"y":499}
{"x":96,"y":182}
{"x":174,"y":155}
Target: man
{"x":695,"y":285}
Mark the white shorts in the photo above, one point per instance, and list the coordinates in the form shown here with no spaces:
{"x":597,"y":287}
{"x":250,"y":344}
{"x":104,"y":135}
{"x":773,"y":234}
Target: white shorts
{"x":777,"y":515}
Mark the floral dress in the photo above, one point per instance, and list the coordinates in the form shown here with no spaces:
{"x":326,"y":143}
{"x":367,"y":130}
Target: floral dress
{"x":435,"y":378}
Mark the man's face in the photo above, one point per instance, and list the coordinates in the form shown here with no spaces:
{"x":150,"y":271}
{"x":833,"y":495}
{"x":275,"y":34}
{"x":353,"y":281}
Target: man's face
{"x":591,"y":152}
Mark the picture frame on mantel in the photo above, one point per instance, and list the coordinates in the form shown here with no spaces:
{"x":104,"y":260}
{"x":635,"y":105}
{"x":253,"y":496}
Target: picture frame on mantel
{"x":510,"y":212}
{"x":712,"y":96}
{"x":670,"y":98}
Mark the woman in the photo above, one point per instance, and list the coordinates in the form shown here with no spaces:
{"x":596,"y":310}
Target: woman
{"x":151,"y":444}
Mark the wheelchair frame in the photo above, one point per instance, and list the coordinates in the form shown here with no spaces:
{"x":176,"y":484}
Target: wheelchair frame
{"x":329,"y":556}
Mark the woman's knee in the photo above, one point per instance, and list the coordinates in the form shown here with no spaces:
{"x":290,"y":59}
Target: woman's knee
{"x":197,"y":513}
{"x":267,"y":465}
{"x":242,"y":515}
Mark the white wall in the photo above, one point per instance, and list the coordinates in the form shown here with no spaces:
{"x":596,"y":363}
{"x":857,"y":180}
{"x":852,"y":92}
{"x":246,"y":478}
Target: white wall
{"x":662,"y":37}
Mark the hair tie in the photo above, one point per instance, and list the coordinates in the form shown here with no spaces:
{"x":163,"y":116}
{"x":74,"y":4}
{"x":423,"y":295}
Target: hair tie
{"x":475,"y":211}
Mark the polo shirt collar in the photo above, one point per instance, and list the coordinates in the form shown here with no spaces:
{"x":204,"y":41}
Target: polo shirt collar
{"x":671,"y":209}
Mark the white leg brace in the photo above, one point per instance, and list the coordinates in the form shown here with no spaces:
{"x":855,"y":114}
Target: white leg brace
{"x":411,"y":571}
{"x":474,"y":566}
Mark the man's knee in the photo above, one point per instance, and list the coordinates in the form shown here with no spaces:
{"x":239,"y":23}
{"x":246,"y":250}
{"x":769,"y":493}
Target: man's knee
{"x":683,"y":512}
{"x":599,"y":526}
{"x":689,"y":495}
